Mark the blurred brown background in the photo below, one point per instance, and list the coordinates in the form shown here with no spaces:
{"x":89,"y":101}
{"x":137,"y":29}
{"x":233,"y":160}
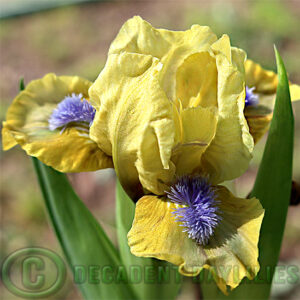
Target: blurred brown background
{"x":74,"y":40}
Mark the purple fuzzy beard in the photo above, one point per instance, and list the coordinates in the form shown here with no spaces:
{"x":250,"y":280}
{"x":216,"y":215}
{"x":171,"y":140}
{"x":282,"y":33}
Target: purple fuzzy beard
{"x":201,"y":215}
{"x":72,"y":109}
{"x":251,"y":98}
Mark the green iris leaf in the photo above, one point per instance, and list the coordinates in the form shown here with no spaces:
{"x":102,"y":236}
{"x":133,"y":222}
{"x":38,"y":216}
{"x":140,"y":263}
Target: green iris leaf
{"x":82,"y":239}
{"x":272,"y":187}
{"x":159,"y":279}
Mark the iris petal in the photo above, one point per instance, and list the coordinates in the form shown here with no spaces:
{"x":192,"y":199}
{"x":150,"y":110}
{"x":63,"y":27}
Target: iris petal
{"x":230,"y":151}
{"x":265,"y":83}
{"x":134,"y":122}
{"x":196,"y":81}
{"x":27,"y":124}
{"x":232,"y":248}
{"x":259,"y":119}
{"x":170,"y":47}
{"x":198,"y":128}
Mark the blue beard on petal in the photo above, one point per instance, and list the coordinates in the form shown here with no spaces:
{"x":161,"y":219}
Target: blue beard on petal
{"x":201,"y":214}
{"x":251,"y":98}
{"x":72,"y":108}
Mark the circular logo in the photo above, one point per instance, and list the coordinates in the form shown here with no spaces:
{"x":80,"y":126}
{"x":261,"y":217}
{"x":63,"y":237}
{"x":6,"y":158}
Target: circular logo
{"x":33,"y":273}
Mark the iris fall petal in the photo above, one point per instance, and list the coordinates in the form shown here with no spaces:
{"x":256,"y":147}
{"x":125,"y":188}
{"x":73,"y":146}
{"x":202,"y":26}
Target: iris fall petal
{"x":70,"y":150}
{"x":231,"y":253}
{"x":265,"y":83}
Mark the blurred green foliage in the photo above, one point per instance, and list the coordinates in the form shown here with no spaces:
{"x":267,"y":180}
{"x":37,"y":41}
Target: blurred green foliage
{"x":254,"y":26}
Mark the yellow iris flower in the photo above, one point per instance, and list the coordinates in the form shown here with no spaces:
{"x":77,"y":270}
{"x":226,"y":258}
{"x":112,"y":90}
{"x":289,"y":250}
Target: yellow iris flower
{"x":169,"y":104}
{"x":27,"y":124}
{"x":265,"y":84}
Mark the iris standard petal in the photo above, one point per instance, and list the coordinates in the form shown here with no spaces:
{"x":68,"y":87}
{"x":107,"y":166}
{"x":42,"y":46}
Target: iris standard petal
{"x":215,"y":78}
{"x":197,"y":129}
{"x":27,"y":123}
{"x":231,"y":253}
{"x":170,"y":47}
{"x":197,"y":81}
{"x":230,"y":151}
{"x":134,"y":121}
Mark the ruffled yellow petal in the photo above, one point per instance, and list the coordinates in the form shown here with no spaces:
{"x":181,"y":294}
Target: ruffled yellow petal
{"x":27,"y":124}
{"x":155,"y":233}
{"x":232,"y":251}
{"x":222,"y":46}
{"x":196,"y":81}
{"x":215,"y":78}
{"x":134,"y":121}
{"x":170,"y":47}
{"x":230,"y":151}
{"x":236,"y":238}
